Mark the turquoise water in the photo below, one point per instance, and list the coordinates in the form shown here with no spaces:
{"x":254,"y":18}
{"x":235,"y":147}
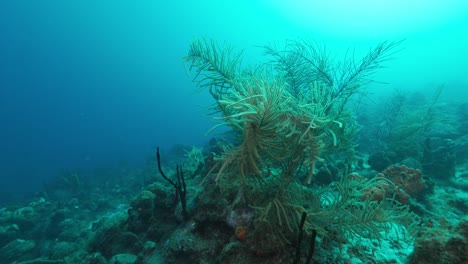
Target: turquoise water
{"x":89,"y":85}
{"x":92,"y":83}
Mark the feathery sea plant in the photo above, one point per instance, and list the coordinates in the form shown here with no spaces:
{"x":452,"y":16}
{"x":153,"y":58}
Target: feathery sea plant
{"x":339,"y":209}
{"x":288,"y":113}
{"x":300,"y":101}
{"x":403,"y":123}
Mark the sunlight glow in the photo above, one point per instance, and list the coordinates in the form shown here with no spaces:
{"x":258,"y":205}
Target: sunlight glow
{"x":370,"y":17}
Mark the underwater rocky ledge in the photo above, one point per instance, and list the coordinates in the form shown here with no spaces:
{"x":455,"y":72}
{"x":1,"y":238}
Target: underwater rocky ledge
{"x":132,"y":215}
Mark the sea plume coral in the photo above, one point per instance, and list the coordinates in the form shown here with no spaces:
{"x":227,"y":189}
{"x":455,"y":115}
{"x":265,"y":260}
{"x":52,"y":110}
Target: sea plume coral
{"x":285,"y":115}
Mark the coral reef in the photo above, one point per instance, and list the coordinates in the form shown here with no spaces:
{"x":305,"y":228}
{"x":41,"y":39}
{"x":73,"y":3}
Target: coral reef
{"x":441,"y":243}
{"x":400,"y":182}
{"x":287,"y":186}
{"x":408,"y":179}
{"x":439,"y":158}
{"x":287,"y":115}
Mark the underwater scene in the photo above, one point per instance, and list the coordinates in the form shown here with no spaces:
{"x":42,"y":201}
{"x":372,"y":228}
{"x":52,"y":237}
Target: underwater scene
{"x":234,"y":132}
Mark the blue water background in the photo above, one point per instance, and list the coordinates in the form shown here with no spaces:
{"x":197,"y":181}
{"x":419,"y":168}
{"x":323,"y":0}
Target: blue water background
{"x":85,"y":84}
